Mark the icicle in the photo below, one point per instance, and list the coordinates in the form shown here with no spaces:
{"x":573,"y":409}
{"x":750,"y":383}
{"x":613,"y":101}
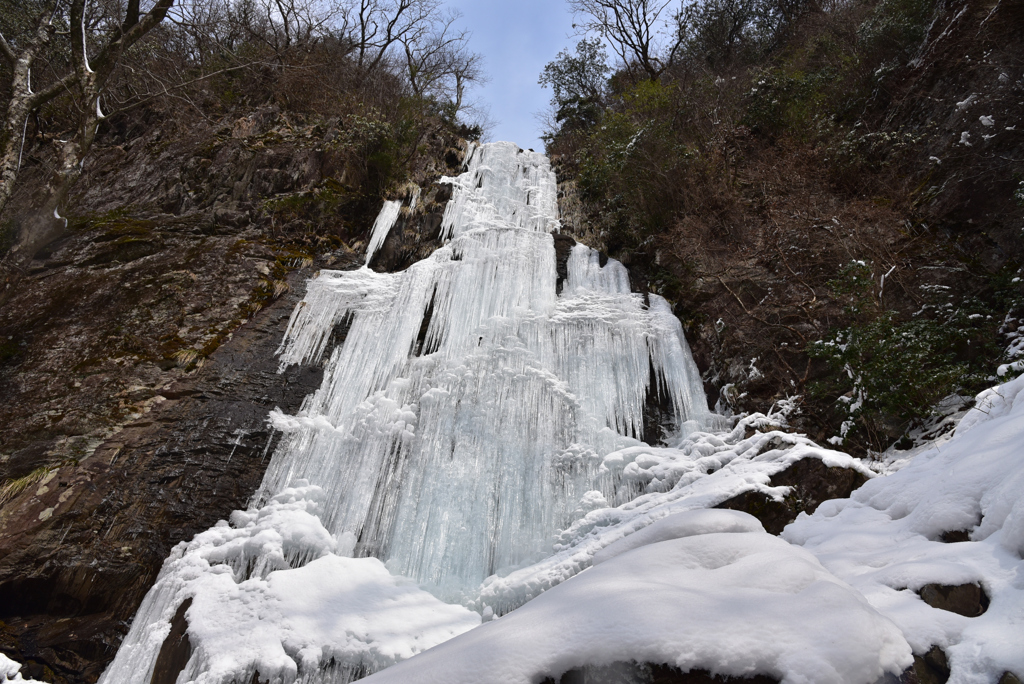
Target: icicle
{"x":382,"y":226}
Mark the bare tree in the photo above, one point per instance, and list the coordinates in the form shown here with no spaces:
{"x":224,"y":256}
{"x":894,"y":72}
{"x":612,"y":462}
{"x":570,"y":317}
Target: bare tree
{"x":636,"y":30}
{"x":85,"y":78}
{"x":438,"y":60}
{"x":380,"y":25}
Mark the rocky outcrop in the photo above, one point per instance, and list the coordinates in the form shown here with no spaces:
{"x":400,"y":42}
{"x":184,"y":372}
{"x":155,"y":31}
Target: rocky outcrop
{"x":969,"y":600}
{"x":80,"y":547}
{"x":811,"y":482}
{"x":137,"y":349}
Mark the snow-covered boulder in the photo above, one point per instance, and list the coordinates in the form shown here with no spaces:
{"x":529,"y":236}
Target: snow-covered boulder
{"x":724,"y":596}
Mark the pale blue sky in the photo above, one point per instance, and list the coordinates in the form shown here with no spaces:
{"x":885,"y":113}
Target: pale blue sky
{"x":517,"y":38}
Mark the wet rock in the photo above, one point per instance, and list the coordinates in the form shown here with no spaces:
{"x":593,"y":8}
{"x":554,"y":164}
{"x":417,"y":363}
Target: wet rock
{"x":811,"y":481}
{"x":563,"y":248}
{"x":969,"y":600}
{"x":1009,"y":678}
{"x":932,"y":667}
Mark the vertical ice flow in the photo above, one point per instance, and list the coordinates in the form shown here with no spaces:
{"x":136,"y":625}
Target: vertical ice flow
{"x":465,"y":381}
{"x":382,"y":226}
{"x":462,"y":421}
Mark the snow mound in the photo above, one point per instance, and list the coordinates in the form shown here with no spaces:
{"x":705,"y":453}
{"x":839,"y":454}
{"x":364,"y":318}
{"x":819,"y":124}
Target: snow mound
{"x":886,"y":539}
{"x":679,"y":526}
{"x":276,"y":594}
{"x":736,"y":603}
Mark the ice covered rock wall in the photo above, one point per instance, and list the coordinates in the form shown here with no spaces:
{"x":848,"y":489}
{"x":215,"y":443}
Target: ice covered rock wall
{"x":460,"y":427}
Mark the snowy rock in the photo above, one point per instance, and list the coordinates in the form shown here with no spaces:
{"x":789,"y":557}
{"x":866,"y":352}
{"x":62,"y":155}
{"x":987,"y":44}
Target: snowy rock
{"x":10,"y":671}
{"x":679,"y":526}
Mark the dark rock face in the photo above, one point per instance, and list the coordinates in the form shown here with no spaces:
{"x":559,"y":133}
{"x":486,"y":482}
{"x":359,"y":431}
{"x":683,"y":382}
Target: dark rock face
{"x":812,"y":482}
{"x":137,"y":356}
{"x":969,"y":600}
{"x":563,"y":248}
{"x":415,"y":235}
{"x":648,"y":673}
{"x":80,"y":547}
{"x":176,"y":649}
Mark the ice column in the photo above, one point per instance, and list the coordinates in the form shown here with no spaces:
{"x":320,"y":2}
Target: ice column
{"x":382,"y":226}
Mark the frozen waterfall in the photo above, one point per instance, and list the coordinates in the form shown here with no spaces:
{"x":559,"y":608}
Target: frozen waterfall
{"x":460,"y":428}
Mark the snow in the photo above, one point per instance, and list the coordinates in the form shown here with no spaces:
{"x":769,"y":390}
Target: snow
{"x":885,"y":539}
{"x":728,"y":597}
{"x":10,"y":671}
{"x":273,"y":591}
{"x":646,"y":485}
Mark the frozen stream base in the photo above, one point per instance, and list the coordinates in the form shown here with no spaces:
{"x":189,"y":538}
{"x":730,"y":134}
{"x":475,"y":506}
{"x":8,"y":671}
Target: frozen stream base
{"x":472,"y":454}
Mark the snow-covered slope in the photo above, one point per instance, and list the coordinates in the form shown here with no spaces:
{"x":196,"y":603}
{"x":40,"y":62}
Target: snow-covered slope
{"x":886,"y":539}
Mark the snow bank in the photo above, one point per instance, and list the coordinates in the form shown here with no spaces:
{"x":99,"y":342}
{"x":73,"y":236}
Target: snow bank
{"x":885,"y":539}
{"x":11,"y":672}
{"x":734,"y":602}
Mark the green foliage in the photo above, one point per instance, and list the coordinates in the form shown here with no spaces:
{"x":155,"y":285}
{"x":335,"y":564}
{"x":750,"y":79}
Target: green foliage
{"x":579,"y":76}
{"x":887,"y":369}
{"x":13,"y":487}
{"x":782,"y":101}
{"x":578,"y":84}
{"x":722,"y":32}
{"x":633,"y":161}
{"x":895,"y":28}
{"x":860,"y":151}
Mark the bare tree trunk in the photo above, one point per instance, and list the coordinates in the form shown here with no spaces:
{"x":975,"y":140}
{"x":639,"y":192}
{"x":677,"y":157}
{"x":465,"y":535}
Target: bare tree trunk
{"x":91,"y":79}
{"x":21,"y":104}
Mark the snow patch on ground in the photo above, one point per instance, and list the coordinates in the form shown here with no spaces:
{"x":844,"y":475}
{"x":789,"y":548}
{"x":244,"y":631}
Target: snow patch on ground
{"x":246,"y":616}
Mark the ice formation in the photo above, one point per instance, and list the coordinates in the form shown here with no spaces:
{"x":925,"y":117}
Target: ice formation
{"x":273,"y":592}
{"x":386,"y":220}
{"x":460,"y":427}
